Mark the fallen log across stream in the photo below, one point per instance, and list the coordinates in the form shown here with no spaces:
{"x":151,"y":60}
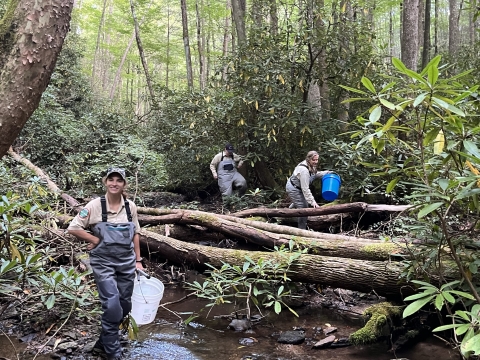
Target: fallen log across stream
{"x":254,"y":232}
{"x":382,"y":277}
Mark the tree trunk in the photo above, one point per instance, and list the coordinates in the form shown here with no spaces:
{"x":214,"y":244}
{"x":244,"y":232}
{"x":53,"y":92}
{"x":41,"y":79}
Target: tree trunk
{"x":118,"y":74}
{"x":97,"y":44}
{"x":358,"y":275}
{"x":201,"y":47}
{"x":409,"y":36}
{"x":238,"y":12}
{"x":453,"y":28}
{"x":142,"y":54}
{"x":31,"y":38}
{"x":426,"y":34}
{"x":265,"y":176}
{"x":186,"y":44}
{"x":273,"y":17}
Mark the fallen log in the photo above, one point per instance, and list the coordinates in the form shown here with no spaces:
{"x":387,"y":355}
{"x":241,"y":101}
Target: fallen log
{"x":286,"y":212}
{"x":349,"y":248}
{"x":171,"y":216}
{"x":358,"y":275}
{"x":50,"y":184}
{"x":323,"y":210}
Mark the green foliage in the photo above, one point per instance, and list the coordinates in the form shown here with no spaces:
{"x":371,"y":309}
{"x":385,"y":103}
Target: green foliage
{"x":466,"y":324}
{"x":265,"y":282}
{"x":423,"y":129}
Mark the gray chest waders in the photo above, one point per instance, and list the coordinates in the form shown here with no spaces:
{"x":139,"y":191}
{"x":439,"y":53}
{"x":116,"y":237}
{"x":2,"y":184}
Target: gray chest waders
{"x":113,"y":266}
{"x":226,"y":172}
{"x":294,"y":190}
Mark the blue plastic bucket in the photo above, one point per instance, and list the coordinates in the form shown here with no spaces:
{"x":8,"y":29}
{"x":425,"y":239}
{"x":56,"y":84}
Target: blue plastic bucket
{"x":330,"y":186}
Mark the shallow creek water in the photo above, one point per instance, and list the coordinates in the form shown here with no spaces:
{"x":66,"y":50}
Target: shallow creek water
{"x":208,"y":337}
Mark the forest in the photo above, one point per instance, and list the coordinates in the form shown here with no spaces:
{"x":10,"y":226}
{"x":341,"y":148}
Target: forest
{"x":385,"y":91}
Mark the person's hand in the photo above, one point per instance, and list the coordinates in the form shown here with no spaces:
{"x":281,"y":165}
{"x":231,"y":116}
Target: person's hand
{"x":215,"y":177}
{"x":239,"y":166}
{"x":139,"y":265}
{"x":315,"y":205}
{"x":93,"y":244}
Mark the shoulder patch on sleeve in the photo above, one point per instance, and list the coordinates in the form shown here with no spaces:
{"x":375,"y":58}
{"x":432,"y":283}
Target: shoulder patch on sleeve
{"x":84,"y":213}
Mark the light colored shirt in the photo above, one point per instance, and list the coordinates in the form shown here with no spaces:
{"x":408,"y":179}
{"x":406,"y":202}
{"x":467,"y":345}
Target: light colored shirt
{"x":303,"y":174}
{"x":91,"y":214}
{"x":218,"y":158}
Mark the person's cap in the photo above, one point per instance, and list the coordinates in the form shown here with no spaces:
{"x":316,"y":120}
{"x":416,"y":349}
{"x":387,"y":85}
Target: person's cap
{"x":116,"y":170}
{"x":229,"y":147}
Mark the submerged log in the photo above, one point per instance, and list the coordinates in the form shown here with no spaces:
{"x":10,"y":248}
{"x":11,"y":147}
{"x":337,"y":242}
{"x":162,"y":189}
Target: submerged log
{"x":357,"y":275}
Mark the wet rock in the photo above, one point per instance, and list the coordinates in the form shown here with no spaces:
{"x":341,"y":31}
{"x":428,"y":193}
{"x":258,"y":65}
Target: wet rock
{"x":342,"y":342}
{"x":253,"y":357}
{"x":240,"y":324}
{"x":329,"y":330}
{"x":294,"y":337}
{"x":322,"y":344}
{"x":67,"y":345}
{"x":71,"y":335}
{"x":28,"y":338}
{"x":247,"y":341}
{"x":52,"y":341}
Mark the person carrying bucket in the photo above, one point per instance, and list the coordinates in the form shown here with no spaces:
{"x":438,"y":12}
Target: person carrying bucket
{"x":298,"y":185}
{"x":224,"y":167}
{"x":114,"y":246}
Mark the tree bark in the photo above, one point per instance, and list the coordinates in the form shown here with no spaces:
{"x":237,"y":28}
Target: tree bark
{"x":201,"y":47}
{"x":31,"y":37}
{"x":186,"y":44}
{"x":409,"y":36}
{"x":453,"y":28}
{"x":348,"y":248}
{"x":285,"y":212}
{"x":238,"y":13}
{"x":142,"y":54}
{"x":357,"y":275}
{"x":426,"y":34}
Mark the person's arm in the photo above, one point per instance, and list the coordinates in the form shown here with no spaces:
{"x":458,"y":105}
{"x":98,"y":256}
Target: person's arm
{"x":238,"y":160}
{"x":79,"y":225}
{"x":136,"y":248}
{"x":136,"y":237}
{"x":213,"y":165}
{"x":305,"y":185}
{"x":85,"y":236}
{"x":321,"y":174}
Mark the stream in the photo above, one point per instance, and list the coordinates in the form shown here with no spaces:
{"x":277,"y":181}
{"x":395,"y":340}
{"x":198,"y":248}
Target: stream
{"x":208,"y":337}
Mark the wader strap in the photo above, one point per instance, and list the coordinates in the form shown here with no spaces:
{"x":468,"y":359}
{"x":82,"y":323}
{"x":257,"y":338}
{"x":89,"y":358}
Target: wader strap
{"x":298,"y":187}
{"x":103,"y":201}
{"x":127,"y":209}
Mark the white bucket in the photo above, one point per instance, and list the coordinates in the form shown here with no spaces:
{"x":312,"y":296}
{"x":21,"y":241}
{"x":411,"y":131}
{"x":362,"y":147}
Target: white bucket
{"x":146,"y":297}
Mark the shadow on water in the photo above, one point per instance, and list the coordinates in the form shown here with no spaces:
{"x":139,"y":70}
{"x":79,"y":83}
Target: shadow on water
{"x":207,"y":337}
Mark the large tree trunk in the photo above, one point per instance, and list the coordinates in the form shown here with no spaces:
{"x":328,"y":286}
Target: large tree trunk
{"x":29,"y":48}
{"x":409,"y":36}
{"x":358,"y":275}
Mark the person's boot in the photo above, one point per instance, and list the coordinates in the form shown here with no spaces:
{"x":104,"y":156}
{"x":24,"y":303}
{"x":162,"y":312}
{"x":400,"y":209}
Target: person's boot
{"x":98,"y":348}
